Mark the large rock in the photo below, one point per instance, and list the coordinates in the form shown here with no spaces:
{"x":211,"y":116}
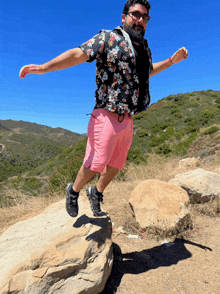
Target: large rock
{"x":54,"y":253}
{"x":201,"y":186}
{"x":189,"y":162}
{"x":161,"y":206}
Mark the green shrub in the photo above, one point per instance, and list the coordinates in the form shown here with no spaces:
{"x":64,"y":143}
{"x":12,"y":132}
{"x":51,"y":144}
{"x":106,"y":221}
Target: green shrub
{"x":81,"y":146}
{"x":163,"y":150}
{"x":181,"y":148}
{"x":217,"y":101}
{"x":193,"y":104}
{"x":192,"y":126}
{"x":176,"y":112}
{"x":136,"y":156}
{"x":142,"y":133}
{"x":140,"y":115}
{"x":208,"y":113}
{"x":169,"y":98}
{"x":211,"y":130}
{"x":66,"y":172}
{"x":156,"y":141}
{"x":180,"y":133}
{"x":159,"y":126}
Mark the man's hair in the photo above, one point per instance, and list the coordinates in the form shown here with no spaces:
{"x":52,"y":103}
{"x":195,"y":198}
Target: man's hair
{"x":129,"y":3}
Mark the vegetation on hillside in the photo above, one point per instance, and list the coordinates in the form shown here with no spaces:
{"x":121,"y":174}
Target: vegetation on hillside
{"x":170,"y":126}
{"x":25,"y":146}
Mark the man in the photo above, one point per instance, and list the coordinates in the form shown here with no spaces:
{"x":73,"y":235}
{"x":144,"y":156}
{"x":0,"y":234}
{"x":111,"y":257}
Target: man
{"x":124,"y":65}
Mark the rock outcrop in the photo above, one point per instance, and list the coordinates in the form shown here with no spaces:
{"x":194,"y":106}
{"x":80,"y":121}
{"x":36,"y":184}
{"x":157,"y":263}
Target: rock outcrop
{"x":201,"y":186}
{"x":54,"y":253}
{"x":160,"y":206}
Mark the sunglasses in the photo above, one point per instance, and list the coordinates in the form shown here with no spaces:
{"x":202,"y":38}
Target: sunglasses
{"x":136,"y":15}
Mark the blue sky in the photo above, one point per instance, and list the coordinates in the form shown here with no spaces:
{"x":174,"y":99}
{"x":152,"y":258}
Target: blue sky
{"x":38,"y":30}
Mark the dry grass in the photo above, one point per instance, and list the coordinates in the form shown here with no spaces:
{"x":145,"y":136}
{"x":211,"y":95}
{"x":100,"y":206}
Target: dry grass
{"x":116,"y":194}
{"x":24,"y":206}
{"x":158,"y":167}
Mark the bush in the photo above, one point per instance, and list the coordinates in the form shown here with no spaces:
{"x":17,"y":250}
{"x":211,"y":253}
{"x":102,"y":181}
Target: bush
{"x":208,"y":113}
{"x":156,"y":141}
{"x":180,"y":149}
{"x":66,"y":173}
{"x":136,"y":156}
{"x":217,"y":101}
{"x":169,"y":98}
{"x":163,"y":150}
{"x":140,"y":115}
{"x":211,"y":130}
{"x":193,"y":126}
{"x":157,"y":127}
{"x":180,"y":133}
{"x":142,"y":133}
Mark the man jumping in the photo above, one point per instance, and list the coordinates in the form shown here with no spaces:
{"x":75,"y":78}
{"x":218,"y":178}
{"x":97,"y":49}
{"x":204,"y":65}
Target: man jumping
{"x":123,"y":68}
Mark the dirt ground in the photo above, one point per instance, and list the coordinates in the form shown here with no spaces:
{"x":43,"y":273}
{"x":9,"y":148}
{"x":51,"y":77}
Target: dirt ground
{"x":188,"y":263}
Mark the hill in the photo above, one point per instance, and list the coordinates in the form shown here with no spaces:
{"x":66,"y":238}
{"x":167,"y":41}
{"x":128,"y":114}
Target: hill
{"x":25,"y":146}
{"x":177,"y":124}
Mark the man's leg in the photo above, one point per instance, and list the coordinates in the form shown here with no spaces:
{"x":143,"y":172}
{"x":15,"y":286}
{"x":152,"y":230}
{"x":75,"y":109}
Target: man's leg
{"x":106,"y":177}
{"x":83,"y":176}
{"x":95,"y":193}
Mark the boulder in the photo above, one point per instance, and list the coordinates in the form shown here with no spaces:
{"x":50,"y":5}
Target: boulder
{"x":160,"y":206}
{"x":54,"y":253}
{"x":201,"y":186}
{"x":189,"y":162}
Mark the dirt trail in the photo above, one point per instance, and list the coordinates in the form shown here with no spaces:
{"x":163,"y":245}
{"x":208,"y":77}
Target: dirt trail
{"x":188,"y":266}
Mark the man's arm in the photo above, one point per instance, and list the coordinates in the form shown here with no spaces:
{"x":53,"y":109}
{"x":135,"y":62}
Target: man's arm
{"x":65,"y":60}
{"x":178,"y":56}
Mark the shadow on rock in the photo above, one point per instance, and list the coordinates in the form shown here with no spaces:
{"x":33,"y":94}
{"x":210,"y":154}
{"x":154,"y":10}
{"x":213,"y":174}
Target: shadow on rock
{"x":143,"y":261}
{"x":100,"y":235}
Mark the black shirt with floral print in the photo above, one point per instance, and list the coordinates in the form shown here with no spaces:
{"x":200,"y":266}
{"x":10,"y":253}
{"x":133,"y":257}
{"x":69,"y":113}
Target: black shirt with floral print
{"x":116,"y":73}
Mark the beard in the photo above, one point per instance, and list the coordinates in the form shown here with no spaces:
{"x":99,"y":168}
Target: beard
{"x":134,"y":35}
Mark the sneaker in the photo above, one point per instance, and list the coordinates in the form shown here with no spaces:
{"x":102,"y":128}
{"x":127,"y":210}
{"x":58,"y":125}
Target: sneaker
{"x":71,"y":201}
{"x":95,"y":201}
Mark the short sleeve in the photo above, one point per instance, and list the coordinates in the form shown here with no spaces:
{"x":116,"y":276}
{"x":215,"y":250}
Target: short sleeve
{"x":94,"y":47}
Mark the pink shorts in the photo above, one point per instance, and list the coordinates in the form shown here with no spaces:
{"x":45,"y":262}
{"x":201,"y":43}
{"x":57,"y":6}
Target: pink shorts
{"x":108,"y":140}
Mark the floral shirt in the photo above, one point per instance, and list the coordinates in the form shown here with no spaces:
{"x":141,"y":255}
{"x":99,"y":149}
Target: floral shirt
{"x":116,"y":75}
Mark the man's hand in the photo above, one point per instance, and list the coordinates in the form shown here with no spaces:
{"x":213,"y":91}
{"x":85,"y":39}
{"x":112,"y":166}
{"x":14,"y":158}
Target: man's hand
{"x":179,"y":55}
{"x":31,"y":69}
